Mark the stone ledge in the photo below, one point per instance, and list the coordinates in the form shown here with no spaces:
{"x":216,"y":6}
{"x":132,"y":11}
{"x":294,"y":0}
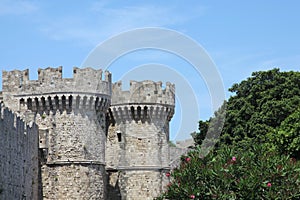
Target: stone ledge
{"x":61,"y":94}
{"x":78,"y":162}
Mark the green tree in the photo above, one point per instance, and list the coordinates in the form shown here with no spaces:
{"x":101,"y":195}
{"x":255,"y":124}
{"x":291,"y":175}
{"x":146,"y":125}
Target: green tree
{"x":286,"y":138}
{"x":200,"y":136}
{"x":260,"y":104}
{"x":258,"y":107}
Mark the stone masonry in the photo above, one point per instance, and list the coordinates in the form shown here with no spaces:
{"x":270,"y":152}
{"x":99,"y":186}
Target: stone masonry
{"x":83,"y":137}
{"x":137,"y":151}
{"x":18,"y":157}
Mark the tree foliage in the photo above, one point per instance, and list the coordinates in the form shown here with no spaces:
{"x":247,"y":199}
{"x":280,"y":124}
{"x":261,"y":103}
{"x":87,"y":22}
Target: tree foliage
{"x":200,"y":136}
{"x":286,"y":137}
{"x":262,"y":110}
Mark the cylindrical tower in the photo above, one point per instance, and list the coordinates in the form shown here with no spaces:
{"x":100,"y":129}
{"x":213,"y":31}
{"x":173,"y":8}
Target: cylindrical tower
{"x":70,"y":114}
{"x":137,"y":153}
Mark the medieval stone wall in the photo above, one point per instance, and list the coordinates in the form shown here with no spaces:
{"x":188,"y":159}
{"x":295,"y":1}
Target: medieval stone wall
{"x":89,"y":139}
{"x":74,"y":181}
{"x":137,"y":152}
{"x":18,"y":157}
{"x":71,"y":115}
{"x":74,"y":164}
{"x":135,"y":144}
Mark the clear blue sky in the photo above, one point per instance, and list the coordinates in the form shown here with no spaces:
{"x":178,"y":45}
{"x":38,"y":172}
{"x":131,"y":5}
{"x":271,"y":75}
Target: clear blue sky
{"x":240,"y":36}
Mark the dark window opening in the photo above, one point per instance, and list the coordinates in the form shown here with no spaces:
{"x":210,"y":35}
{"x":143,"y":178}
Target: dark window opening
{"x":63,"y":101}
{"x":29,"y":103}
{"x":132,"y":111}
{"x":119,"y":136}
{"x":70,"y":102}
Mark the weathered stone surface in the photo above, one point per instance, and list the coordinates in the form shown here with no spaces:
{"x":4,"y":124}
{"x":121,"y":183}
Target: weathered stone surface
{"x":18,"y":157}
{"x":144,"y":92}
{"x":64,"y":139}
{"x":70,"y":114}
{"x":73,"y":181}
{"x":140,"y":184}
{"x":137,"y":142}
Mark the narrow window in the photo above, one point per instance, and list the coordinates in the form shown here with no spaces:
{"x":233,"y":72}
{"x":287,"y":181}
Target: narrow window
{"x":119,"y":136}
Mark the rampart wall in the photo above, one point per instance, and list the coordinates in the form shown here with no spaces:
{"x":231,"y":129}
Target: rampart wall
{"x":18,"y":157}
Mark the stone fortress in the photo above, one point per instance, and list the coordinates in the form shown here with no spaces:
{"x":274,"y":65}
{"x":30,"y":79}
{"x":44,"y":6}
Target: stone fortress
{"x":83,"y":137}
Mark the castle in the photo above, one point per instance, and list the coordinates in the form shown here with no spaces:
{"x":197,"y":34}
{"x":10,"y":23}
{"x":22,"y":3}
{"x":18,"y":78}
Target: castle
{"x":83,"y":137}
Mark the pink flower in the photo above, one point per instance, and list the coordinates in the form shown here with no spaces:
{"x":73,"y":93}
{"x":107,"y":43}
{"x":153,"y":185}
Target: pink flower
{"x":192,"y":196}
{"x":233,"y":158}
{"x":168,"y":174}
{"x":187,"y":159}
{"x":269,"y":184}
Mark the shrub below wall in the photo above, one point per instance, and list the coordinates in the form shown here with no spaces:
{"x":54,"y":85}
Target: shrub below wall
{"x":253,"y":172}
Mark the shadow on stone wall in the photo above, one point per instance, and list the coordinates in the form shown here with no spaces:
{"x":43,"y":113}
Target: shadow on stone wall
{"x":113,"y":188}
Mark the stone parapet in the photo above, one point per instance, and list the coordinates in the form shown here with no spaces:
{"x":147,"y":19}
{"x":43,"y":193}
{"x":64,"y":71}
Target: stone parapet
{"x":50,"y":90}
{"x":50,"y":80}
{"x":144,"y":92}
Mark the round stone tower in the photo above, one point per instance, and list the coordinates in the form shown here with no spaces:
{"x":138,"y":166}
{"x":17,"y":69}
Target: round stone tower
{"x":137,"y":153}
{"x":70,"y":114}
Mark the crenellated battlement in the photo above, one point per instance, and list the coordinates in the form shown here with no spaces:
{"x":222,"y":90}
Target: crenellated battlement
{"x":50,"y":80}
{"x":144,"y":92}
{"x":49,"y":74}
{"x":51,"y":91}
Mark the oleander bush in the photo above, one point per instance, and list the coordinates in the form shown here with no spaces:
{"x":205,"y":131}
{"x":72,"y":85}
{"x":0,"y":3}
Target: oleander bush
{"x":251,"y":172}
